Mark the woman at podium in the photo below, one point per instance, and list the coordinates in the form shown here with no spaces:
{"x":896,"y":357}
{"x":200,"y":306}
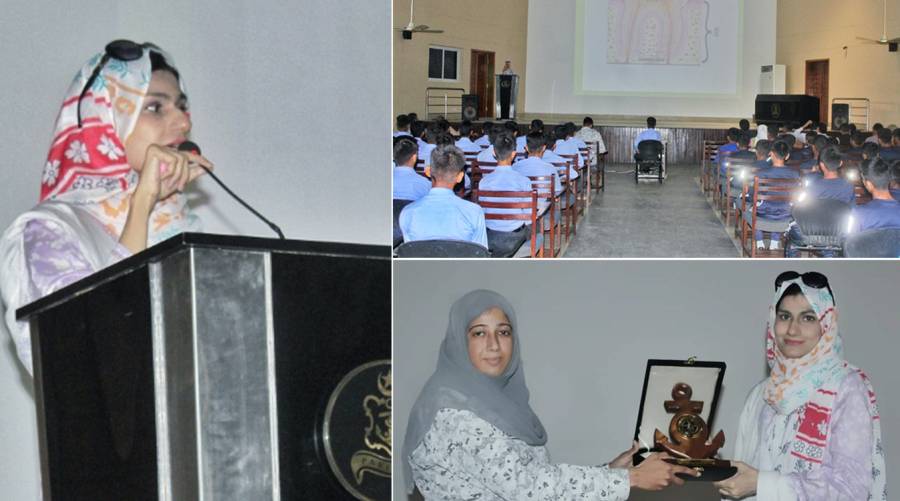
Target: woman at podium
{"x":112,"y":181}
{"x":810,"y":430}
{"x":472,"y":433}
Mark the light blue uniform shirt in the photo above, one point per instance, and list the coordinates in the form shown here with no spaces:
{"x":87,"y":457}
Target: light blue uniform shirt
{"x":425,"y":150}
{"x":483,"y":141}
{"x":504,"y":178}
{"x":647,"y":135}
{"x":520,"y":144}
{"x":533,"y":166}
{"x":467,"y":146}
{"x":442,"y":215}
{"x":408,"y":185}
{"x":487,"y":155}
{"x":551,"y":157}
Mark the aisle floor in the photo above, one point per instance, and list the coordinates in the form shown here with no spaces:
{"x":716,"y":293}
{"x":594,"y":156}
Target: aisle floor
{"x":672,"y":219}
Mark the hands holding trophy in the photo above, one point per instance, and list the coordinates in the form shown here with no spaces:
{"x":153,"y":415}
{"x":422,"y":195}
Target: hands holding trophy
{"x":670,"y":402}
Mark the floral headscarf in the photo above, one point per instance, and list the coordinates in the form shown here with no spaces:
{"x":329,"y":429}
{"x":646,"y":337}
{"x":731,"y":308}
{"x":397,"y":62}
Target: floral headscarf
{"x":87,"y":167}
{"x":792,"y":381}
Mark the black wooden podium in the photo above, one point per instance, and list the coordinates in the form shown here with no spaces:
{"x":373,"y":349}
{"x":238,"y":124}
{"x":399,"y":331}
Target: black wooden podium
{"x":218,"y":367}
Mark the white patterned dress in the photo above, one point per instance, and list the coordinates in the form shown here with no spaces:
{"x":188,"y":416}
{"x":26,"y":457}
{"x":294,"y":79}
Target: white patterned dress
{"x":463,"y":457}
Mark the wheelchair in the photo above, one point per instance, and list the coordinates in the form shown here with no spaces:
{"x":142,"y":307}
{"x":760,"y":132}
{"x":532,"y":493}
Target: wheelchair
{"x":650,"y":161}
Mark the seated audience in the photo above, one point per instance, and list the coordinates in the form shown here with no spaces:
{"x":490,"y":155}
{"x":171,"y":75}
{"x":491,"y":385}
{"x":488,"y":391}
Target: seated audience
{"x":408,"y":185}
{"x":887,"y":150}
{"x":487,"y":154}
{"x":504,"y":233}
{"x":730,"y":144}
{"x":870,"y":150}
{"x":742,"y":153}
{"x":551,"y":157}
{"x":874,"y":137}
{"x":856,"y":145}
{"x":513,"y":128}
{"x":567,"y":145}
{"x":535,"y":165}
{"x":830,"y":186}
{"x":774,"y":210}
{"x":417,"y":130}
{"x":402,"y":126}
{"x":441,"y":214}
{"x":465,"y":142}
{"x":763,"y":161}
{"x":485,"y":138}
{"x":588,"y":134}
{"x":883,"y":211}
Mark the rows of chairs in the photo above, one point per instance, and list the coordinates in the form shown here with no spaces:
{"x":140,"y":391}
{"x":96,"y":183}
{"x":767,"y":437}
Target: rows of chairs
{"x":551,"y":220}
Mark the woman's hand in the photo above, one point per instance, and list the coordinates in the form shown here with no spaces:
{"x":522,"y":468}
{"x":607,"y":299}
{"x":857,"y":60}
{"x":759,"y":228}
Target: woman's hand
{"x":742,"y":484}
{"x":166,"y":171}
{"x":623,"y":460}
{"x":655,"y":474}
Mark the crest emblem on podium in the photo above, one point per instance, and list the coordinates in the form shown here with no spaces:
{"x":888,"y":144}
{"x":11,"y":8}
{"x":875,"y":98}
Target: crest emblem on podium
{"x":357,"y":431}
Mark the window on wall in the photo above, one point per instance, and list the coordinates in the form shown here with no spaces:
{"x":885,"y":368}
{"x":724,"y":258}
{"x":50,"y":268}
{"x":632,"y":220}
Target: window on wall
{"x":443,"y":63}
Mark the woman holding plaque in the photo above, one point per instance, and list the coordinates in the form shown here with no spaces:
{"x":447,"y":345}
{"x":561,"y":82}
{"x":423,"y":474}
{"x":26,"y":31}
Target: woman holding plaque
{"x":111,"y":184}
{"x":811,"y":429}
{"x":473,"y":435}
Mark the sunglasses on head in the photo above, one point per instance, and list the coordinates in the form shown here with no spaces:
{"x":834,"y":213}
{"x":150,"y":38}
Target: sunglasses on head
{"x":812,"y":279}
{"x":123,"y":50}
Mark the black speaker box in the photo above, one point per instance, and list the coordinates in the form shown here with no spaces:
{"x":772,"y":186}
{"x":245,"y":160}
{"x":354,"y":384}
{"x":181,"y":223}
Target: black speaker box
{"x":840,"y":115}
{"x":469,"y":106}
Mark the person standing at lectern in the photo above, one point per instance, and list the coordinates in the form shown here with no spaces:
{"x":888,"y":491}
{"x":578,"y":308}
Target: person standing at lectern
{"x":811,"y":430}
{"x":112,"y":181}
{"x":507,"y":69}
{"x":472,"y":433}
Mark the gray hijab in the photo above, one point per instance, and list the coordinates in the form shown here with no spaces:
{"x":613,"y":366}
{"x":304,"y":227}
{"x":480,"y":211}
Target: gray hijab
{"x":457,"y":384}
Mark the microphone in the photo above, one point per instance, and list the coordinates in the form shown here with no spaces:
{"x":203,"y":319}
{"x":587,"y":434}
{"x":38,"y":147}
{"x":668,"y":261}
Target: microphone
{"x":192,"y":147}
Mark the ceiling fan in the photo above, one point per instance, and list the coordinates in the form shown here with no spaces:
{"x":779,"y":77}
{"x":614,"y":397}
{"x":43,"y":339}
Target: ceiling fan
{"x":884,"y":40}
{"x":411,"y":27}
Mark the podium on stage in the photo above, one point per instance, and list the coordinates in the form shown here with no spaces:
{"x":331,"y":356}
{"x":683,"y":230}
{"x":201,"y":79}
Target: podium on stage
{"x":218,"y":367}
{"x":505,"y":97}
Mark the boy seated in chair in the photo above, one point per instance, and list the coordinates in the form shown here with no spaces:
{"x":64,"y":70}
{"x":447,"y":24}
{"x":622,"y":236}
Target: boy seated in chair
{"x":883,"y":211}
{"x":441,"y":215}
{"x":774,"y":211}
{"x":830,"y":186}
{"x":408,"y":185}
{"x":536,"y":164}
{"x":465,"y":142}
{"x":505,"y":236}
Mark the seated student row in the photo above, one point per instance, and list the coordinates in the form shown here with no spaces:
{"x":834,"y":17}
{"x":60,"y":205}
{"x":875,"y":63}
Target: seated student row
{"x":422,"y":219}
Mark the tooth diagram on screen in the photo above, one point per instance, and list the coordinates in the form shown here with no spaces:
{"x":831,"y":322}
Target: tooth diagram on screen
{"x":670,"y":32}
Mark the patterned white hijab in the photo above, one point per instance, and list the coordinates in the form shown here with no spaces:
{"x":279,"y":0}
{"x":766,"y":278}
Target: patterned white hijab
{"x":87,"y":167}
{"x":811,"y":383}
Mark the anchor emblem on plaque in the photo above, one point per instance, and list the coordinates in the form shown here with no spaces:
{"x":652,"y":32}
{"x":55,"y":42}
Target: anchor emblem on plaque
{"x":688,"y":432}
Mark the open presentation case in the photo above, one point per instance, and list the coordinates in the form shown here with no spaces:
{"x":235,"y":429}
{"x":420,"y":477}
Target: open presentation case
{"x":678,"y":402}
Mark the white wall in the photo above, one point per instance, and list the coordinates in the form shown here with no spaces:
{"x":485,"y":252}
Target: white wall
{"x":588,"y":327}
{"x":289,"y":101}
{"x":552,"y":63}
